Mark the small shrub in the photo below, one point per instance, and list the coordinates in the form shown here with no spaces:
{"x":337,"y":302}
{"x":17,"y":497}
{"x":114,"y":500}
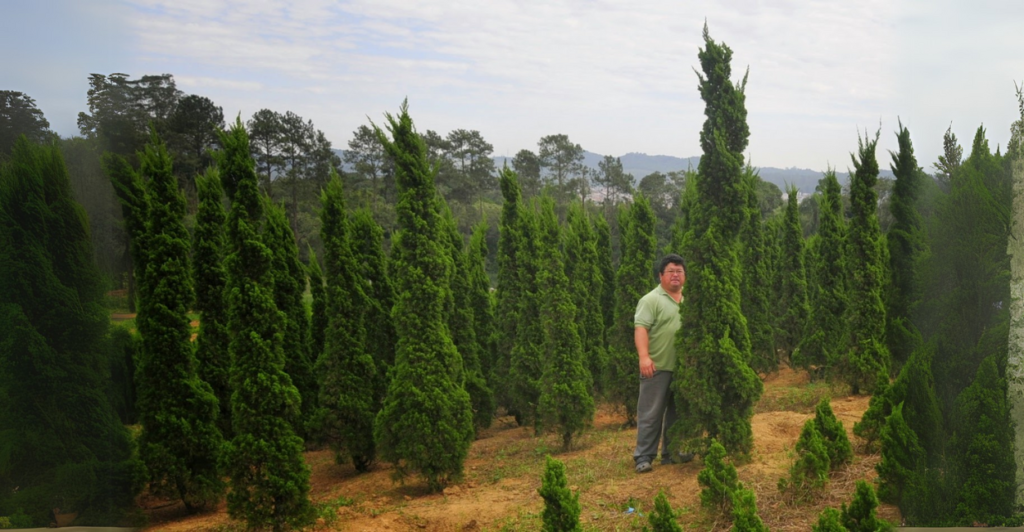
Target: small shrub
{"x":561,"y":505}
{"x":902,"y":457}
{"x":810,"y":471}
{"x":860,"y":516}
{"x":663,"y":518}
{"x":829,"y":520}
{"x":870,"y":425}
{"x":837,"y":443}
{"x":718,"y":479}
{"x":744,"y":512}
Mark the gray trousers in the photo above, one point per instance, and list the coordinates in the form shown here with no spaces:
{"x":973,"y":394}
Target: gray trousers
{"x":655,"y":413}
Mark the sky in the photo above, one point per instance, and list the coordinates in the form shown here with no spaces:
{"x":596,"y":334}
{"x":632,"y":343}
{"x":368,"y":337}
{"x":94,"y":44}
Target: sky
{"x":615,"y":76}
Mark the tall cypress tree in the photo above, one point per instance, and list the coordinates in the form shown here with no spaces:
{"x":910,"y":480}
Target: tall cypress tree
{"x":715,"y":388}
{"x":289,"y":285}
{"x":268,"y":478}
{"x":131,"y":194}
{"x":604,"y":262}
{"x":318,"y":312}
{"x":210,"y":279}
{"x":527,"y":361}
{"x":793,"y":299}
{"x":367,"y":237}
{"x":583,"y":270}
{"x":62,"y":440}
{"x":180,"y":442}
{"x":565,"y":401}
{"x":867,"y":354}
{"x":826,"y":336}
{"x":481,"y":300}
{"x":350,"y":381}
{"x":509,"y":288}
{"x":426,"y":424}
{"x":906,"y":244}
{"x":756,"y":289}
{"x":633,"y":279}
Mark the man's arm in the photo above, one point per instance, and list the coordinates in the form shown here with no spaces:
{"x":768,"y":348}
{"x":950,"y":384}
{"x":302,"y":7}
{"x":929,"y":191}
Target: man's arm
{"x":642,"y":342}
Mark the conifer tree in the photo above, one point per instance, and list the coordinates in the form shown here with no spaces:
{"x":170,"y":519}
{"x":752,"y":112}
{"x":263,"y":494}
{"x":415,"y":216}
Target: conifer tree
{"x":583,"y":270}
{"x":481,"y":300}
{"x":368,"y":242}
{"x":318,"y":312}
{"x":829,"y":520}
{"x":837,"y":443}
{"x":210,"y":279}
{"x":1015,"y":249}
{"x":180,"y":442}
{"x":604,"y":261}
{"x":527,"y":362}
{"x":633,"y":279}
{"x":861,"y":515}
{"x":289,"y":285}
{"x":426,"y":422}
{"x":810,"y":471}
{"x":131,"y":194}
{"x":565,"y":403}
{"x":902,"y":457}
{"x":349,"y":378}
{"x":718,"y":479}
{"x":461,"y":324}
{"x":268,"y":478}
{"x":509,"y":290}
{"x":715,"y":388}
{"x":62,"y":440}
{"x":792,"y":322}
{"x":905,"y":241}
{"x":867,"y":354}
{"x":744,"y":512}
{"x":561,"y":505}
{"x":663,"y":518}
{"x":756,"y":289}
{"x":825,"y":342}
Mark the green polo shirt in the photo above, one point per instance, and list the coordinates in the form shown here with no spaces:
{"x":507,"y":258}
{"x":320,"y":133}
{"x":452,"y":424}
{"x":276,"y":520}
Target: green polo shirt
{"x":659,"y":314}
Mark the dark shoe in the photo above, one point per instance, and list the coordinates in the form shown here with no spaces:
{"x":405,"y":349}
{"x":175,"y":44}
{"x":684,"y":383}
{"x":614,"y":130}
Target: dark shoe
{"x":684,"y":458}
{"x":643,"y":467}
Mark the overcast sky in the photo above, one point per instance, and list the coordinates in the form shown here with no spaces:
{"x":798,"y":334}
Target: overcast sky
{"x":615,"y":76}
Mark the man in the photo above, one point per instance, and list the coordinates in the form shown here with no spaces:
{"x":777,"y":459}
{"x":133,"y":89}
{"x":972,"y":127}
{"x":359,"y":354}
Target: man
{"x":656,"y":321}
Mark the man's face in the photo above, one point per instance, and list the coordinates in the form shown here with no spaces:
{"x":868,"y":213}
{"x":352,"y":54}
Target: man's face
{"x":673,"y":277}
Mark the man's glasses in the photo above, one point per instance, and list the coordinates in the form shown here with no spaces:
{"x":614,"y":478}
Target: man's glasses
{"x":674,"y":272}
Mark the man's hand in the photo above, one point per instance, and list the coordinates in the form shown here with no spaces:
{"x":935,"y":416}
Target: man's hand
{"x":642,"y":342}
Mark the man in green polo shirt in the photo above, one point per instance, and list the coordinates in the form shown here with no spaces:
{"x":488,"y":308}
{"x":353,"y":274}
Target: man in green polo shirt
{"x":656,"y":322}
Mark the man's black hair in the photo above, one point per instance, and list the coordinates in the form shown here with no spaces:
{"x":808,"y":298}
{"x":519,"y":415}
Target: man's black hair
{"x":671,"y":258}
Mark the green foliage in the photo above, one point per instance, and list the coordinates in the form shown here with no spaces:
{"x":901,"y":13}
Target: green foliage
{"x":583,"y":270}
{"x":861,"y":515}
{"x":792,"y":299}
{"x":482,"y":302}
{"x":350,"y":383}
{"x":289,"y":286}
{"x":318,"y":310}
{"x":510,"y":290}
{"x":810,"y":471}
{"x":561,"y":505}
{"x":833,"y":434}
{"x":716,"y":390}
{"x":829,"y":520}
{"x":744,"y":512}
{"x":368,"y":247}
{"x":268,"y":478}
{"x":902,"y":457}
{"x":604,"y":263}
{"x":123,"y":348}
{"x":426,"y":422}
{"x":870,"y":425}
{"x":210,"y":279}
{"x":565,"y":403}
{"x":180,"y":442}
{"x":526,"y":365}
{"x":633,"y":279}
{"x":20,"y":116}
{"x":867,"y":354}
{"x":906,"y":246}
{"x":825,"y":342}
{"x":663,"y":518}
{"x":60,"y":439}
{"x":718,"y":479}
{"x":756,"y":287}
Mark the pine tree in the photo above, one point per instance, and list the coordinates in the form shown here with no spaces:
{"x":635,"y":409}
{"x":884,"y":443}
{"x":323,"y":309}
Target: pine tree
{"x":861,"y":515}
{"x":318,"y":312}
{"x":210,"y":279}
{"x":744,"y":512}
{"x":829,"y":520}
{"x":902,"y":457}
{"x":715,"y":389}
{"x":583,"y":271}
{"x":268,"y":478}
{"x":826,"y":337}
{"x":793,"y":299}
{"x":289,"y":285}
{"x":426,"y":422}
{"x":561,"y":505}
{"x":632,"y":281}
{"x":565,"y":403}
{"x":180,"y":442}
{"x":718,"y":479}
{"x":756,"y":288}
{"x":509,"y":290}
{"x":663,"y":518}
{"x":867,"y":354}
{"x":349,"y":378}
{"x":62,"y":439}
{"x":905,"y":241}
{"x":837,"y":443}
{"x":482,"y":301}
{"x":368,"y":242}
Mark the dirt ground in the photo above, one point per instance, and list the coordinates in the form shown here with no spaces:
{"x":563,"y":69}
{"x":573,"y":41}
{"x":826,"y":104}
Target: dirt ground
{"x":499,"y":491}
